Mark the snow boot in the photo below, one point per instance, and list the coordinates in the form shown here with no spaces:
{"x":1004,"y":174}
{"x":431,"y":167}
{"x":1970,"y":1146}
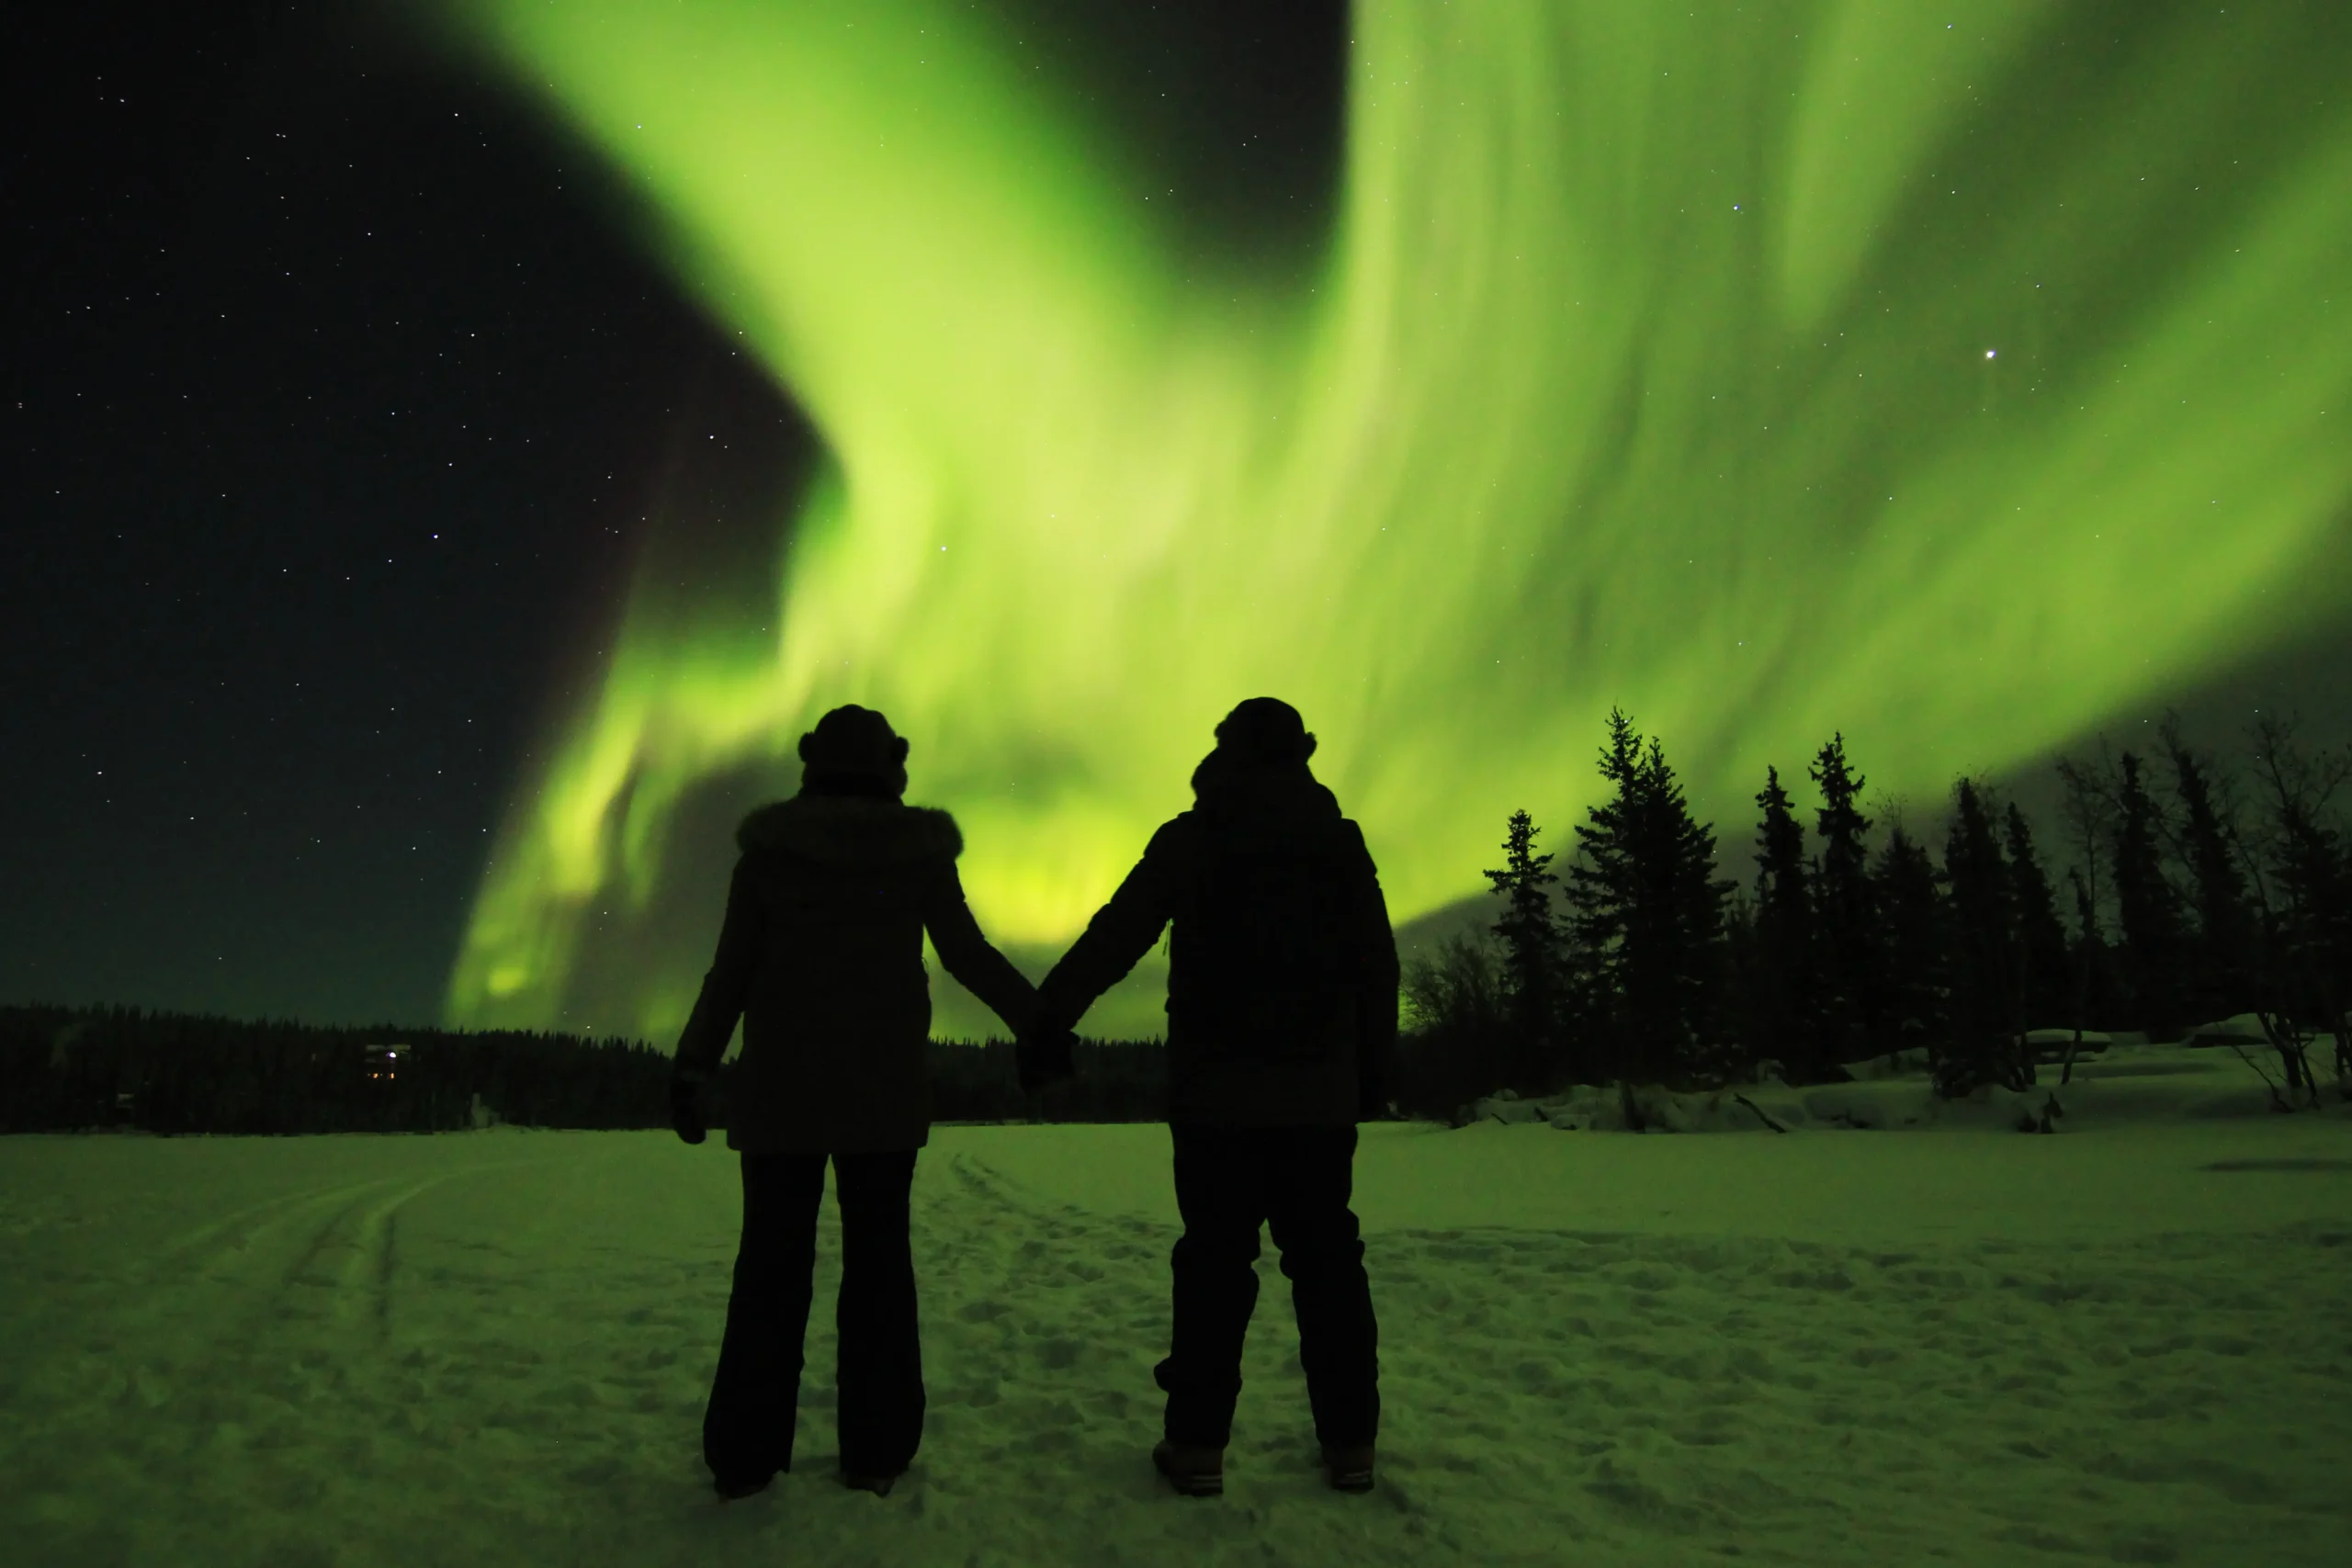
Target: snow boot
{"x":1350,"y":1469}
{"x":1194,"y":1472}
{"x":879,"y":1484}
{"x":729,"y":1488}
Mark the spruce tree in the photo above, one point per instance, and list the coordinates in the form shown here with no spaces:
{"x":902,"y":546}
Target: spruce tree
{"x":1530,"y":937}
{"x":2147,"y":906}
{"x":1675,"y":970}
{"x":2045,"y":979}
{"x":1646,"y":913}
{"x":1779,"y":962}
{"x":1846,"y":924}
{"x":1600,"y":892}
{"x":1913,"y":945}
{"x":1744,"y":1002}
{"x":1986,"y":1043}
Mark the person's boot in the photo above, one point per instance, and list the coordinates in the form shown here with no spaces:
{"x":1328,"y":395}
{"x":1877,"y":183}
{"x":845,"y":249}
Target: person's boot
{"x":1194,"y":1472}
{"x":879,"y":1484}
{"x":731,"y":1488}
{"x":1350,"y":1469}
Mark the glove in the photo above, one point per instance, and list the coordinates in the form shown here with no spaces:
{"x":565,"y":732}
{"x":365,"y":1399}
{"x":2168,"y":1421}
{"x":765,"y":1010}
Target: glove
{"x":1045,"y":1059}
{"x":685,"y":1111}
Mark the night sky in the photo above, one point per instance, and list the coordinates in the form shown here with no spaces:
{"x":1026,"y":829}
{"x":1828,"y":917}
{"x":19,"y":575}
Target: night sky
{"x":337,"y":385}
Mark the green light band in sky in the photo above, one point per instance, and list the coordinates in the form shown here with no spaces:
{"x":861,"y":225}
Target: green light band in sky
{"x":1764,"y":369}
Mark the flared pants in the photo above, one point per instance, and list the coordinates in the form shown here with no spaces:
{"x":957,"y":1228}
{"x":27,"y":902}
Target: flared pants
{"x":747,"y":1429}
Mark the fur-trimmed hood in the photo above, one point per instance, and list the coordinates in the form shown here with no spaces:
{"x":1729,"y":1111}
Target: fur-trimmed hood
{"x":851,"y":829}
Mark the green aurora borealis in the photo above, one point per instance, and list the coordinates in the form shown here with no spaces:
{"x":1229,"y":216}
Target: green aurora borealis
{"x":1954,"y":378}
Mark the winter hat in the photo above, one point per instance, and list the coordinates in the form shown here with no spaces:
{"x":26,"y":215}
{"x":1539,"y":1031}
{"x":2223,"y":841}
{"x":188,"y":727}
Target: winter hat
{"x":853,"y":750}
{"x":1265,"y":731}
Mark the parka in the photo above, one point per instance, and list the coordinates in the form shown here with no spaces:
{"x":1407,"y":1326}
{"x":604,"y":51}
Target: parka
{"x":821,"y":955}
{"x":1282,"y":966}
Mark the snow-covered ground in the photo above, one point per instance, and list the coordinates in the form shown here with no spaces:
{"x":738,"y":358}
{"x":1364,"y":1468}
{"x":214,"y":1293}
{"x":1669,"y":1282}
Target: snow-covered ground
{"x":2127,"y":1342}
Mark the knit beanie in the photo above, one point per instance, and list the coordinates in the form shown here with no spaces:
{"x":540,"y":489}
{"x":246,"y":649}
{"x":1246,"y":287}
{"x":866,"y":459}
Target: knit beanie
{"x":1265,"y":732}
{"x":853,"y":750}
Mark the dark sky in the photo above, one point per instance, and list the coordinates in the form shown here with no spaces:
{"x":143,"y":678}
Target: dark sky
{"x":336,"y":391}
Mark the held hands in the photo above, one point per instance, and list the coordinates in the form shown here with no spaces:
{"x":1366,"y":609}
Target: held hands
{"x":1046,"y":1057}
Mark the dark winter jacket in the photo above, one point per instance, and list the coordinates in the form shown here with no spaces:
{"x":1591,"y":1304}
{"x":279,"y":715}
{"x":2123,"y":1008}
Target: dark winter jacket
{"x":1282,"y":968}
{"x":822,"y":956}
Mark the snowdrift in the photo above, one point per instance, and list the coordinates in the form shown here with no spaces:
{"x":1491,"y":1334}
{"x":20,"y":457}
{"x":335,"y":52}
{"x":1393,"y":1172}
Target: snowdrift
{"x":2123,"y":1083}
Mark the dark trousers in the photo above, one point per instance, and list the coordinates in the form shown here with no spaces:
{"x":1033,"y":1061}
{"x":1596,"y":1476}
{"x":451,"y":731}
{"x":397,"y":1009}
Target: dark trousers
{"x":1296,"y":1179}
{"x":746,"y":1428}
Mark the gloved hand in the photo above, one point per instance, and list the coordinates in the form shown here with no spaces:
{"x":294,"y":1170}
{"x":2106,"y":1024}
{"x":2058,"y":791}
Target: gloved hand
{"x":1045,"y":1058}
{"x":686,"y":1106}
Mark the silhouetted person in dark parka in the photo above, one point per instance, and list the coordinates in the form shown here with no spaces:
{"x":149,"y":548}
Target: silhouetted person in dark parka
{"x":1282,"y":1025}
{"x":822,"y":956}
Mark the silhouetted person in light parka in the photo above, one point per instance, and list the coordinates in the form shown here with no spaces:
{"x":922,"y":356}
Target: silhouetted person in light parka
{"x":1282,"y":1026}
{"x":821,"y":957}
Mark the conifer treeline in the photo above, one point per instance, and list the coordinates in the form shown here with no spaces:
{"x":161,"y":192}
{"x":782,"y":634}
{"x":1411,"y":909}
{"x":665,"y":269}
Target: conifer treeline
{"x":171,"y":1072}
{"x":68,"y":1069}
{"x":2194,"y":893}
{"x":2190,"y":892}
